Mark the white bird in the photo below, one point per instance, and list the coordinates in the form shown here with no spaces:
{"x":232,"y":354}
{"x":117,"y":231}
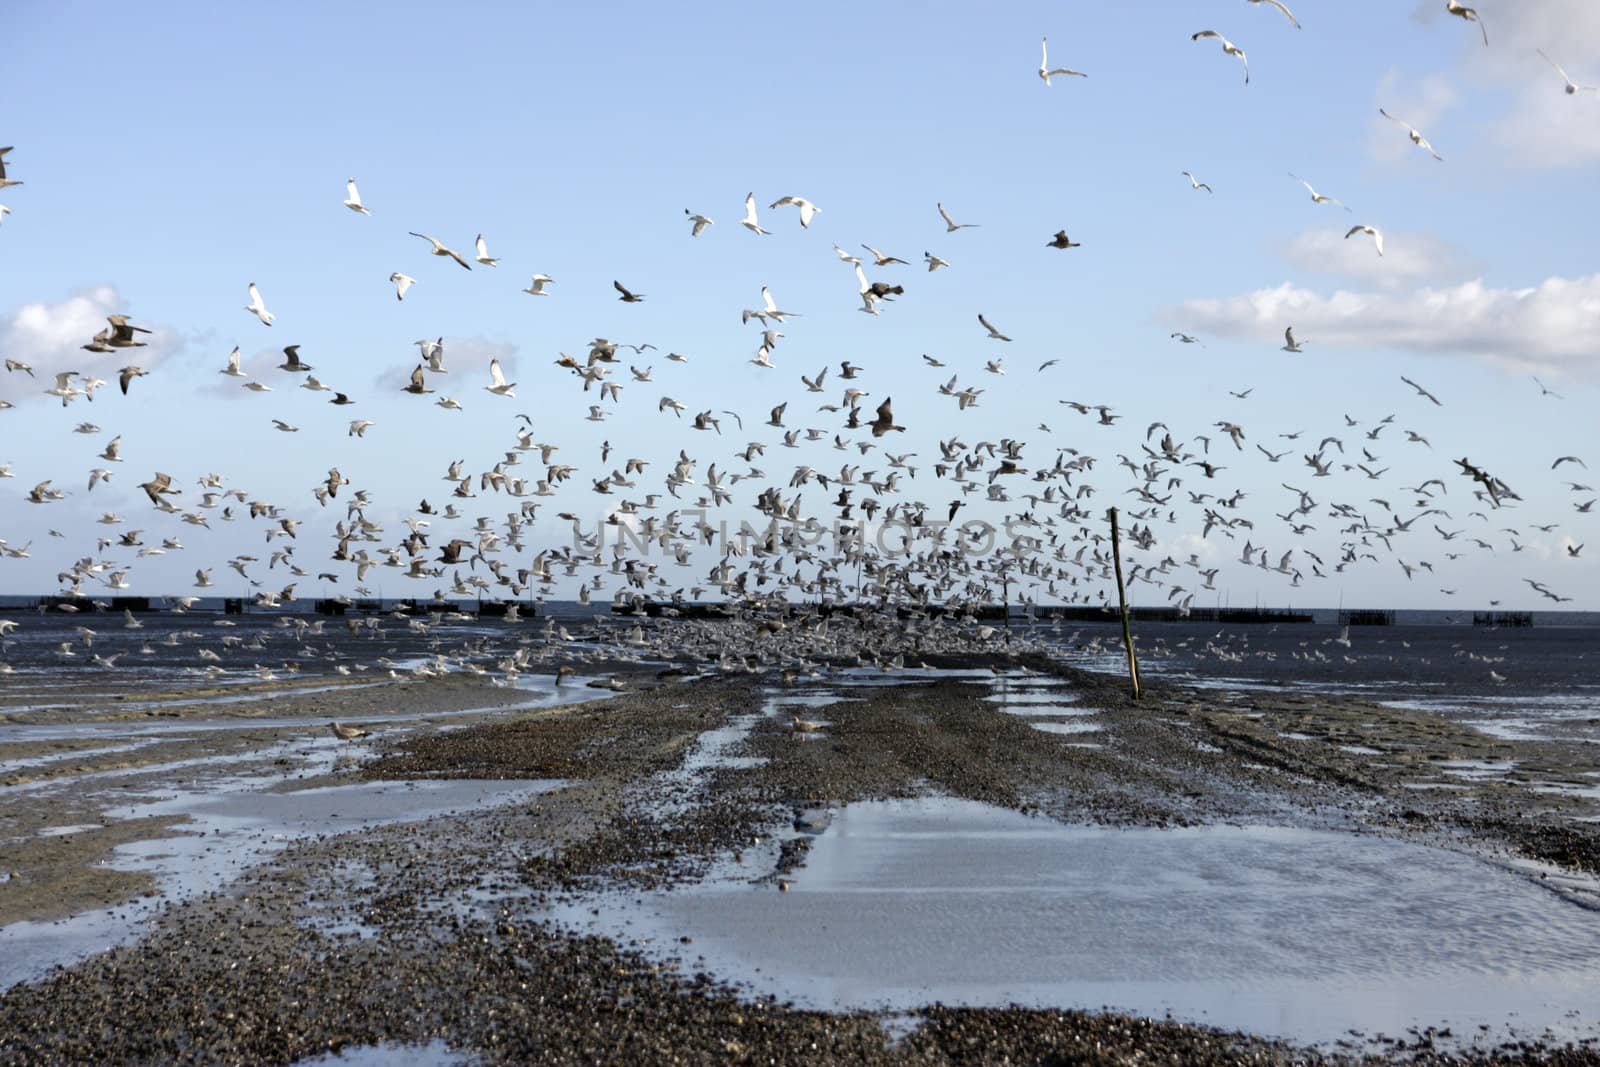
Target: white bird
{"x":1195,"y":183}
{"x":499,"y":386}
{"x":256,"y":387}
{"x":1572,"y":86}
{"x":353,"y":201}
{"x":483,"y":254}
{"x":402,"y":282}
{"x":284,"y":426}
{"x":1045,"y":73}
{"x":1228,"y":47}
{"x":934,"y":262}
{"x":536,"y":287}
{"x":1289,"y":343}
{"x":1316,"y":197}
{"x":808,"y":210}
{"x":700,"y":222}
{"x":439,"y":249}
{"x":4,"y":211}
{"x":232,"y":369}
{"x":257,"y":308}
{"x":1416,"y":137}
{"x":1377,"y":237}
{"x":1455,"y":7}
{"x":358,"y":427}
{"x":1279,"y":5}
{"x":749,"y":221}
{"x":950,"y":224}
{"x":314,"y":384}
{"x":448,"y":404}
{"x":996,"y":334}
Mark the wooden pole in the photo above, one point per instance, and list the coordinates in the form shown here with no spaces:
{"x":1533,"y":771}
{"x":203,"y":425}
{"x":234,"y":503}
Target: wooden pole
{"x":1122,"y":602}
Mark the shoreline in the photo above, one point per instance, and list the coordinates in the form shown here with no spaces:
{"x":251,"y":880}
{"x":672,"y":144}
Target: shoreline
{"x":912,"y":739}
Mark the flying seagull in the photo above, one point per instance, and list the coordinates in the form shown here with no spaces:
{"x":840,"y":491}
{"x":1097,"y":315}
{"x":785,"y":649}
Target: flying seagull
{"x":1290,"y":344}
{"x":700,"y":222}
{"x":4,"y":181}
{"x":1420,"y":390}
{"x":950,"y":224}
{"x":1279,"y":5}
{"x":996,"y":334}
{"x":353,"y":197}
{"x":628,"y":296}
{"x":1228,"y":47}
{"x":291,"y":360}
{"x":441,"y":250}
{"x":1455,"y":7}
{"x":1195,"y":183}
{"x":1572,"y":86}
{"x":1045,"y":73}
{"x":536,"y":287}
{"x":1377,"y":237}
{"x":402,"y":282}
{"x":1061,"y":240}
{"x":749,"y":221}
{"x":498,"y":384}
{"x":1416,"y":137}
{"x":483,"y":253}
{"x":808,"y":210}
{"x":1316,"y":197}
{"x":257,"y":308}
{"x":128,"y":374}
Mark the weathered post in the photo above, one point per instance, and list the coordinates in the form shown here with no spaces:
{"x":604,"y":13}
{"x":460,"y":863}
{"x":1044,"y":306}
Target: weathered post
{"x":1122,"y":602}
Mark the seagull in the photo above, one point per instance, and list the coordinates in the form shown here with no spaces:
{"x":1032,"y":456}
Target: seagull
{"x":402,"y":282}
{"x":284,"y":426}
{"x":232,"y":369}
{"x":1543,"y":391}
{"x":1411,"y":131}
{"x":1569,"y":459}
{"x":879,"y":259}
{"x":1572,"y":86}
{"x":257,"y":308}
{"x":1195,"y":183}
{"x":1183,"y":338}
{"x":628,"y":296}
{"x":1045,"y":73}
{"x":536,"y":287}
{"x":1228,"y":47}
{"x":358,"y":427}
{"x":749,"y":221}
{"x":1469,"y":15}
{"x":128,"y":374}
{"x":483,"y":254}
{"x":950,"y":224}
{"x":291,"y":360}
{"x":17,"y":364}
{"x":1290,"y":344}
{"x":1421,"y":391}
{"x":996,"y":334}
{"x":499,"y":386}
{"x":441,"y":250}
{"x":1061,"y":240}
{"x":808,"y":210}
{"x":347,"y":733}
{"x":4,"y":181}
{"x":1286,"y":12}
{"x":700,"y":222}
{"x":353,"y":197}
{"x":934,"y":262}
{"x":1316,"y":197}
{"x":1377,"y":237}
{"x":341,"y":399}
{"x":885,"y":420}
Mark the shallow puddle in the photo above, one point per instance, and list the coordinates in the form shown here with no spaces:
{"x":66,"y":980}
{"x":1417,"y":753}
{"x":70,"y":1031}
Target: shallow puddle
{"x":1299,"y":933}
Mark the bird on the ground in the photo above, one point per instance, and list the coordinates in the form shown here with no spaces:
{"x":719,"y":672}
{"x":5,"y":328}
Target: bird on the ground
{"x":353,"y":197}
{"x":347,"y":733}
{"x":1045,"y":72}
{"x":1412,"y":132}
{"x":1377,"y":236}
{"x":402,"y":282}
{"x":439,"y":249}
{"x":1228,"y":47}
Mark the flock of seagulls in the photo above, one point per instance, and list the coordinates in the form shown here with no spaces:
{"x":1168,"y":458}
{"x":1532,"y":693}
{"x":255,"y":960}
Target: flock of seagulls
{"x":476,"y":536}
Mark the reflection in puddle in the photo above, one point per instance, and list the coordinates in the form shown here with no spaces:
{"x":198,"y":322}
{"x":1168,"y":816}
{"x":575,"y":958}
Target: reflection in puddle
{"x":1066,"y":727}
{"x":1298,"y":933}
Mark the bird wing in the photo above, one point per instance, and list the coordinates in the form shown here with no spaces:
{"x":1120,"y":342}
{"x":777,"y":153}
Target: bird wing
{"x":943,"y":214}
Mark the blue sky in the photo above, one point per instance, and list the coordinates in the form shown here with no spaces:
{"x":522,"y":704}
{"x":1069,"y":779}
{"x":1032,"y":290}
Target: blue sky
{"x":169,"y":160}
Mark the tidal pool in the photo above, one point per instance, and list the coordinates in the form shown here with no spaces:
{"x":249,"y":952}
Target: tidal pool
{"x":1298,"y":933}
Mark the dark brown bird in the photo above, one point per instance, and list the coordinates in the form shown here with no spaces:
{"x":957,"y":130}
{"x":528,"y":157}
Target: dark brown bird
{"x":291,"y":360}
{"x":628,"y":296}
{"x":122,"y":332}
{"x":417,"y":385}
{"x":128,"y":374}
{"x":885,"y":420}
{"x":1061,"y":240}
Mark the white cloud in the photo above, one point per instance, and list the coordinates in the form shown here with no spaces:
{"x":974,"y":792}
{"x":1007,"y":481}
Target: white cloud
{"x":1408,"y":258}
{"x":49,"y":338}
{"x":1552,"y":328}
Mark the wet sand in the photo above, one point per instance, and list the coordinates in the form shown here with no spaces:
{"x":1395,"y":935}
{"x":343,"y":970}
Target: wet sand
{"x":438,"y":930}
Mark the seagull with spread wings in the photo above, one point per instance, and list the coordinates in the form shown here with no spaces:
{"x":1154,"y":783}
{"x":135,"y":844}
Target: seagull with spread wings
{"x":1572,"y":86}
{"x":1373,"y":231}
{"x":440,"y":250}
{"x":1228,"y":47}
{"x":1045,"y":73}
{"x":1316,"y":197}
{"x":1279,"y":5}
{"x":1420,"y":390}
{"x":1412,"y":132}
